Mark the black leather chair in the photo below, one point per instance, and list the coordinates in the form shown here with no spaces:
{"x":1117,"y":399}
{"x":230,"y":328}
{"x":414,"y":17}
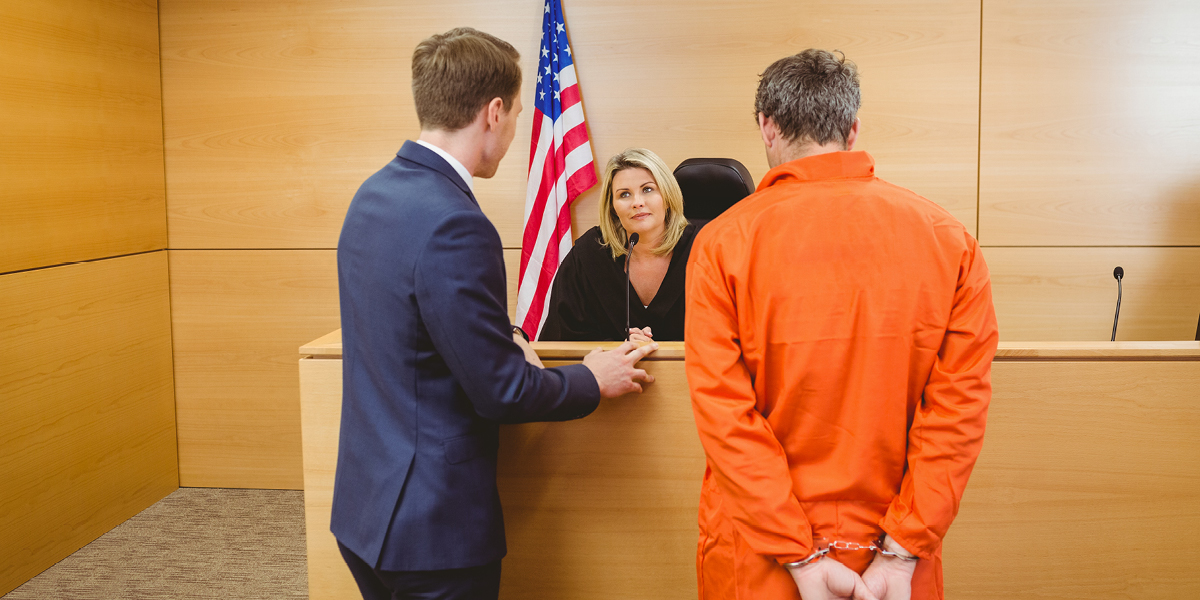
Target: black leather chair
{"x":711,"y":185}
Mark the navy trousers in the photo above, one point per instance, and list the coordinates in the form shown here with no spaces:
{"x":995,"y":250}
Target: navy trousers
{"x":471,"y":583}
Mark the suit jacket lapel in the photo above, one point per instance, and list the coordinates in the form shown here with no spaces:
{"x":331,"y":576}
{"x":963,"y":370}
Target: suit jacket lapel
{"x":414,"y":152}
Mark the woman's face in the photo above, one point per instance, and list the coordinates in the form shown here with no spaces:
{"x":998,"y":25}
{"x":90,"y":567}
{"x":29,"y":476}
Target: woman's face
{"x":639,"y":205}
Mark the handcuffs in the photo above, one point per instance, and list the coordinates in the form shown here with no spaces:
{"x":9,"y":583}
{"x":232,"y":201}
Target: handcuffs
{"x":876,"y":546}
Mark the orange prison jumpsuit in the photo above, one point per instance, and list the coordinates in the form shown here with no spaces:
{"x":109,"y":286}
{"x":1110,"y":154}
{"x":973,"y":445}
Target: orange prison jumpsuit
{"x":839,"y":335}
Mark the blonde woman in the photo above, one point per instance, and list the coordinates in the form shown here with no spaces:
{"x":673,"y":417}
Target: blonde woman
{"x":639,"y":195}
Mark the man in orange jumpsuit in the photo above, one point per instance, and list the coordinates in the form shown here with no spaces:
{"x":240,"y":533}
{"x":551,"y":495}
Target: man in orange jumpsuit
{"x":840,"y":334}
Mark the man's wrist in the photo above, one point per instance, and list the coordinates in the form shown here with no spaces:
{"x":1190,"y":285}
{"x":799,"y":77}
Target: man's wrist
{"x":517,"y":330}
{"x":808,"y":560}
{"x":892,"y":549}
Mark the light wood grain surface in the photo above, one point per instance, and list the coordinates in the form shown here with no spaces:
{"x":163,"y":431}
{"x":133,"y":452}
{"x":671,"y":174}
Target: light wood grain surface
{"x":238,"y":317}
{"x":87,"y":436}
{"x":681,"y":81}
{"x":80,"y":132}
{"x":330,"y":346}
{"x":276,"y":112}
{"x":321,"y":417}
{"x":1088,"y":485}
{"x":603,"y":507}
{"x":1089,"y":120}
{"x":1070,"y":293}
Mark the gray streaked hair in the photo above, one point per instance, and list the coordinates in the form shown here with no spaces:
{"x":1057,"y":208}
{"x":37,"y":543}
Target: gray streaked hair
{"x":812,"y":96}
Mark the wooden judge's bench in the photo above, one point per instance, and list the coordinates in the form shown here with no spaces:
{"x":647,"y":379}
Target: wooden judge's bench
{"x":1088,"y":485}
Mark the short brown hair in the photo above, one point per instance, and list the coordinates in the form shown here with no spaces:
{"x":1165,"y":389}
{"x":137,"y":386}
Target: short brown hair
{"x":812,"y":96}
{"x":612,"y":233}
{"x":455,"y":74}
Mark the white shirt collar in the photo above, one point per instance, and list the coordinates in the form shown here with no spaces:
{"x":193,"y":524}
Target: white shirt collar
{"x":458,"y":167}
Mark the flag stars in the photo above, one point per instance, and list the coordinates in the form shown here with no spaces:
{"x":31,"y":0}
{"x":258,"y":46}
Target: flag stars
{"x":556,"y":96}
{"x":542,"y":95}
{"x":545,"y":52}
{"x":567,"y":50}
{"x":548,"y":71}
{"x":559,"y":27}
{"x":547,"y":7}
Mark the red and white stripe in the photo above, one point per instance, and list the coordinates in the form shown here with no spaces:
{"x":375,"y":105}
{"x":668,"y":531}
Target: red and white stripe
{"x":561,"y":168}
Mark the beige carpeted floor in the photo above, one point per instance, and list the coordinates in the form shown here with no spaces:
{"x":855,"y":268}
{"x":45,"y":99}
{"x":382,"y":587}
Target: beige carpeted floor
{"x":195,"y":543}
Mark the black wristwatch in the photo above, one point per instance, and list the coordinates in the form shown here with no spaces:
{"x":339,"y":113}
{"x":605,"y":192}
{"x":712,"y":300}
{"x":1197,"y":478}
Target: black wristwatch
{"x":516,"y":329}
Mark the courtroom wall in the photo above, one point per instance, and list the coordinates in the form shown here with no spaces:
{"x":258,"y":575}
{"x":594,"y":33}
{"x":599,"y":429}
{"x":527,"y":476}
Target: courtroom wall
{"x":87,"y":432}
{"x":275,"y":112}
{"x":1090,"y":159}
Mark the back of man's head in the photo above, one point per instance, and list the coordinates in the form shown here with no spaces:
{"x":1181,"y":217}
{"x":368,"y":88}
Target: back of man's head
{"x":813,"y":97}
{"x":455,"y":74}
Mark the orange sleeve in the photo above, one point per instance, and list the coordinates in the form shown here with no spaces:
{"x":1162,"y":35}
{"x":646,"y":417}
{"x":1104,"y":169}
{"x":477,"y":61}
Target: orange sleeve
{"x":747,"y":461}
{"x":947,"y":429}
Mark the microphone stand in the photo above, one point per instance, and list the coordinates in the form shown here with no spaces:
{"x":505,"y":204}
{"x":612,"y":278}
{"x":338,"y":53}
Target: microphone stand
{"x":1118,"y":273}
{"x":633,"y":240}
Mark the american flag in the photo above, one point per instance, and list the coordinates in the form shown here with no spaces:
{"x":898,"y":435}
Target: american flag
{"x":560,"y":168}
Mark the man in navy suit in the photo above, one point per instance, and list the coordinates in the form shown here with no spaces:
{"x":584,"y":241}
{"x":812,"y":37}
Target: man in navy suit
{"x":431,"y":363}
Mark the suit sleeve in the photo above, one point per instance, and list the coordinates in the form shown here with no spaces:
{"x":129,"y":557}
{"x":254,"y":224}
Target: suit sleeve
{"x":947,"y":430}
{"x":747,"y":461}
{"x":461,"y":295}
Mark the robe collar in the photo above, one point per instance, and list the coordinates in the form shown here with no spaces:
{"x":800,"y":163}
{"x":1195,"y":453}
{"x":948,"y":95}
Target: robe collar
{"x":833,"y":165}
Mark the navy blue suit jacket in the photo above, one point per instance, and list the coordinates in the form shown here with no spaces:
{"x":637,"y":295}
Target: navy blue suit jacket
{"x":429,"y":371}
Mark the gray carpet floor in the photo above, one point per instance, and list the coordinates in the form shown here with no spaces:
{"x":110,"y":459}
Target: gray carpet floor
{"x":195,"y":543}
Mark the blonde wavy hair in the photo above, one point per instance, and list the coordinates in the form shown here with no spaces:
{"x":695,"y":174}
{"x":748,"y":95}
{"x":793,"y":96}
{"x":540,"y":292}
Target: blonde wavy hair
{"x":612,"y":233}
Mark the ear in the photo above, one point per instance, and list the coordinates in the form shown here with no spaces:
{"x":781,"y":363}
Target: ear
{"x":768,"y":129}
{"x":853,"y":135}
{"x":492,"y":112}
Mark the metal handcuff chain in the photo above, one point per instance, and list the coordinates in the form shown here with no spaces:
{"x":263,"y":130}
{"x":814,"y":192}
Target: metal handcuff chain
{"x":843,"y":545}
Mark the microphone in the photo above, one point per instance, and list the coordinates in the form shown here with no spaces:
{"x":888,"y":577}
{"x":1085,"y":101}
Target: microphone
{"x":633,"y":240}
{"x":1118,"y":273}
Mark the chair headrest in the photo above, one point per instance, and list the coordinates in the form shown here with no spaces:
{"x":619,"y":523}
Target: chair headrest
{"x":711,"y":185}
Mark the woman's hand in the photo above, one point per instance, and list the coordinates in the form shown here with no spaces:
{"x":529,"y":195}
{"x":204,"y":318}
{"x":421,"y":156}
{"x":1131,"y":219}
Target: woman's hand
{"x":640,"y":335}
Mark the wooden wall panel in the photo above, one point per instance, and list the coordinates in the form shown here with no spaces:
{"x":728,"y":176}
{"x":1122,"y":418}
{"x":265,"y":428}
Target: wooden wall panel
{"x":1089,"y":123}
{"x":1070,"y":294}
{"x":239,"y":316}
{"x":275,"y":112}
{"x":681,"y":81}
{"x":87,"y":437}
{"x":80,"y":131}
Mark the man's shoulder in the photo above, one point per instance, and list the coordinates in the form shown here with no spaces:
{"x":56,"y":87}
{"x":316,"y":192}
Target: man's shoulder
{"x":402,"y":205}
{"x":402,"y":174}
{"x":915,"y":201}
{"x":403,"y":185}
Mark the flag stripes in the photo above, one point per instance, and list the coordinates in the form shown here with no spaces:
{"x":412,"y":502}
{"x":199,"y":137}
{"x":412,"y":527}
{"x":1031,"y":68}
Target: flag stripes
{"x":561,"y":167}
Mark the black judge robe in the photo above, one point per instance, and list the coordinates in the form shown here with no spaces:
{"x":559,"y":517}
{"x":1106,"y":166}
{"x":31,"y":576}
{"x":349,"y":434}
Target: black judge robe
{"x":587,"y":301}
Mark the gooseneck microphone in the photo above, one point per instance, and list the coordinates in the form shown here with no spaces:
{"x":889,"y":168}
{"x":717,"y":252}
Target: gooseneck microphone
{"x":633,"y":240}
{"x":1118,"y":273}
